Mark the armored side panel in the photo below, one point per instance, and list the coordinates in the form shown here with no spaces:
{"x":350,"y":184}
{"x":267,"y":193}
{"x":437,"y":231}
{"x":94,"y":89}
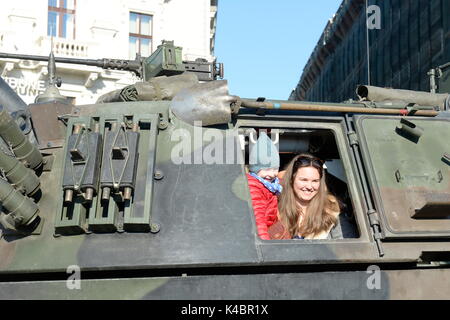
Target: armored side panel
{"x":354,"y":285}
{"x":408,"y":165}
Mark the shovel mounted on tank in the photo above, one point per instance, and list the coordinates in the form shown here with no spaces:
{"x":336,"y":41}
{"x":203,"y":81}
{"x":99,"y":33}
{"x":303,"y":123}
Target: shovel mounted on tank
{"x":211,"y":104}
{"x":205,"y":104}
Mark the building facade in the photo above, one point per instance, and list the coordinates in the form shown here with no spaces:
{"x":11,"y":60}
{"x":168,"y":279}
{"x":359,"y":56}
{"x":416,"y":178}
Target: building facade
{"x":98,"y":29}
{"x":407,"y":38}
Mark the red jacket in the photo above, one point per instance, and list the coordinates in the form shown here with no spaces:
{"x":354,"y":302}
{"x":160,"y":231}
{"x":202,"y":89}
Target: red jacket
{"x":265,"y":206}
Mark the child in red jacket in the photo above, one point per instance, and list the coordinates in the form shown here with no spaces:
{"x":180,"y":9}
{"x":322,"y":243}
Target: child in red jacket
{"x":263,"y":183}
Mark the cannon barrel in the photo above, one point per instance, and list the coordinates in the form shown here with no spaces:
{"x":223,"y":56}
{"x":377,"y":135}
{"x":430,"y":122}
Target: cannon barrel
{"x":119,"y":64}
{"x":163,"y":62}
{"x":331,"y":107}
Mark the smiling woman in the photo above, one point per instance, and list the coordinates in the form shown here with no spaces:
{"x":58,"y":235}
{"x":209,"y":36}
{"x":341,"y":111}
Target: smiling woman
{"x":306,"y":209}
{"x":313,"y":199}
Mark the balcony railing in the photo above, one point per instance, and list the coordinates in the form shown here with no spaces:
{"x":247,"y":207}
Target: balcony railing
{"x":65,"y":47}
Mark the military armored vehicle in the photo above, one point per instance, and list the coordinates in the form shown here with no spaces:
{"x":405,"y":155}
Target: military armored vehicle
{"x":143,"y":193}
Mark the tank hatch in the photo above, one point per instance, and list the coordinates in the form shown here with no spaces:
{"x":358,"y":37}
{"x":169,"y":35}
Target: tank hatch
{"x":408,"y":166}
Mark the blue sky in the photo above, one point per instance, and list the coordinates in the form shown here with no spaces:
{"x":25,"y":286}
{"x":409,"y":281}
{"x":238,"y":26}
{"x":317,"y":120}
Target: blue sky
{"x":265,"y":44}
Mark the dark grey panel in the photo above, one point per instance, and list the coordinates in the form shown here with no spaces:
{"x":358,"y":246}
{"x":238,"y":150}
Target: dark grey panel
{"x":201,"y":219}
{"x":370,"y":284}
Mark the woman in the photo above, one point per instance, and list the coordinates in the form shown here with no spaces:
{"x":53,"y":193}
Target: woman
{"x":306,"y":209}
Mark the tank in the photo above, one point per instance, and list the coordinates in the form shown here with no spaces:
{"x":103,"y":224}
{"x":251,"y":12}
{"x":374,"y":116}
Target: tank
{"x":143,"y":194}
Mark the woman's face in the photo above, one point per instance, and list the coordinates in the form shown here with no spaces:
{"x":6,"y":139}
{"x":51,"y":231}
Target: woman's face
{"x":306,"y":183}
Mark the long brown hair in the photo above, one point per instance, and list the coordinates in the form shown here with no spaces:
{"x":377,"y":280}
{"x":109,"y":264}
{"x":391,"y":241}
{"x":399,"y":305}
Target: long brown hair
{"x":319,"y":216}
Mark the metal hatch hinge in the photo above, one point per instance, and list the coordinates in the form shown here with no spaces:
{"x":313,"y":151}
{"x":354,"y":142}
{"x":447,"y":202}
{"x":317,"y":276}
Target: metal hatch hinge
{"x":374,"y":221}
{"x":353,"y":138}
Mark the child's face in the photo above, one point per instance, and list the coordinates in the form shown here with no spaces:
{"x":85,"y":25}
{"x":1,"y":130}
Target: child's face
{"x":268,"y":174}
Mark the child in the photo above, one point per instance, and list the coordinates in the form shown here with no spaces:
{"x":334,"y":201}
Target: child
{"x":264,"y":184}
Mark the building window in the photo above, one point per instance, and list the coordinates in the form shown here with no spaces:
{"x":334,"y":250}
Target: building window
{"x":140,"y":40}
{"x":61,"y":18}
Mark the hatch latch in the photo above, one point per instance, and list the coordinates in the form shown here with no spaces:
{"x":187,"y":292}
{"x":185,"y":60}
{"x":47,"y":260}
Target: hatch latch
{"x":374,"y":221}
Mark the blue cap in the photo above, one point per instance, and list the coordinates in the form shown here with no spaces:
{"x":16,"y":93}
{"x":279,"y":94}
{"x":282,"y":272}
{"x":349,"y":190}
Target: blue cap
{"x":264,"y":155}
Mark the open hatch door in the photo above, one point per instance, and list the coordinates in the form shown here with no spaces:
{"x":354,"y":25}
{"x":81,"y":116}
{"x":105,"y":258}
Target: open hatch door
{"x":407,"y":163}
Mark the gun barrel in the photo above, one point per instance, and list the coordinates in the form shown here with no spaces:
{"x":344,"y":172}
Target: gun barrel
{"x":330,"y":107}
{"x":45,"y":58}
{"x":129,"y":65}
